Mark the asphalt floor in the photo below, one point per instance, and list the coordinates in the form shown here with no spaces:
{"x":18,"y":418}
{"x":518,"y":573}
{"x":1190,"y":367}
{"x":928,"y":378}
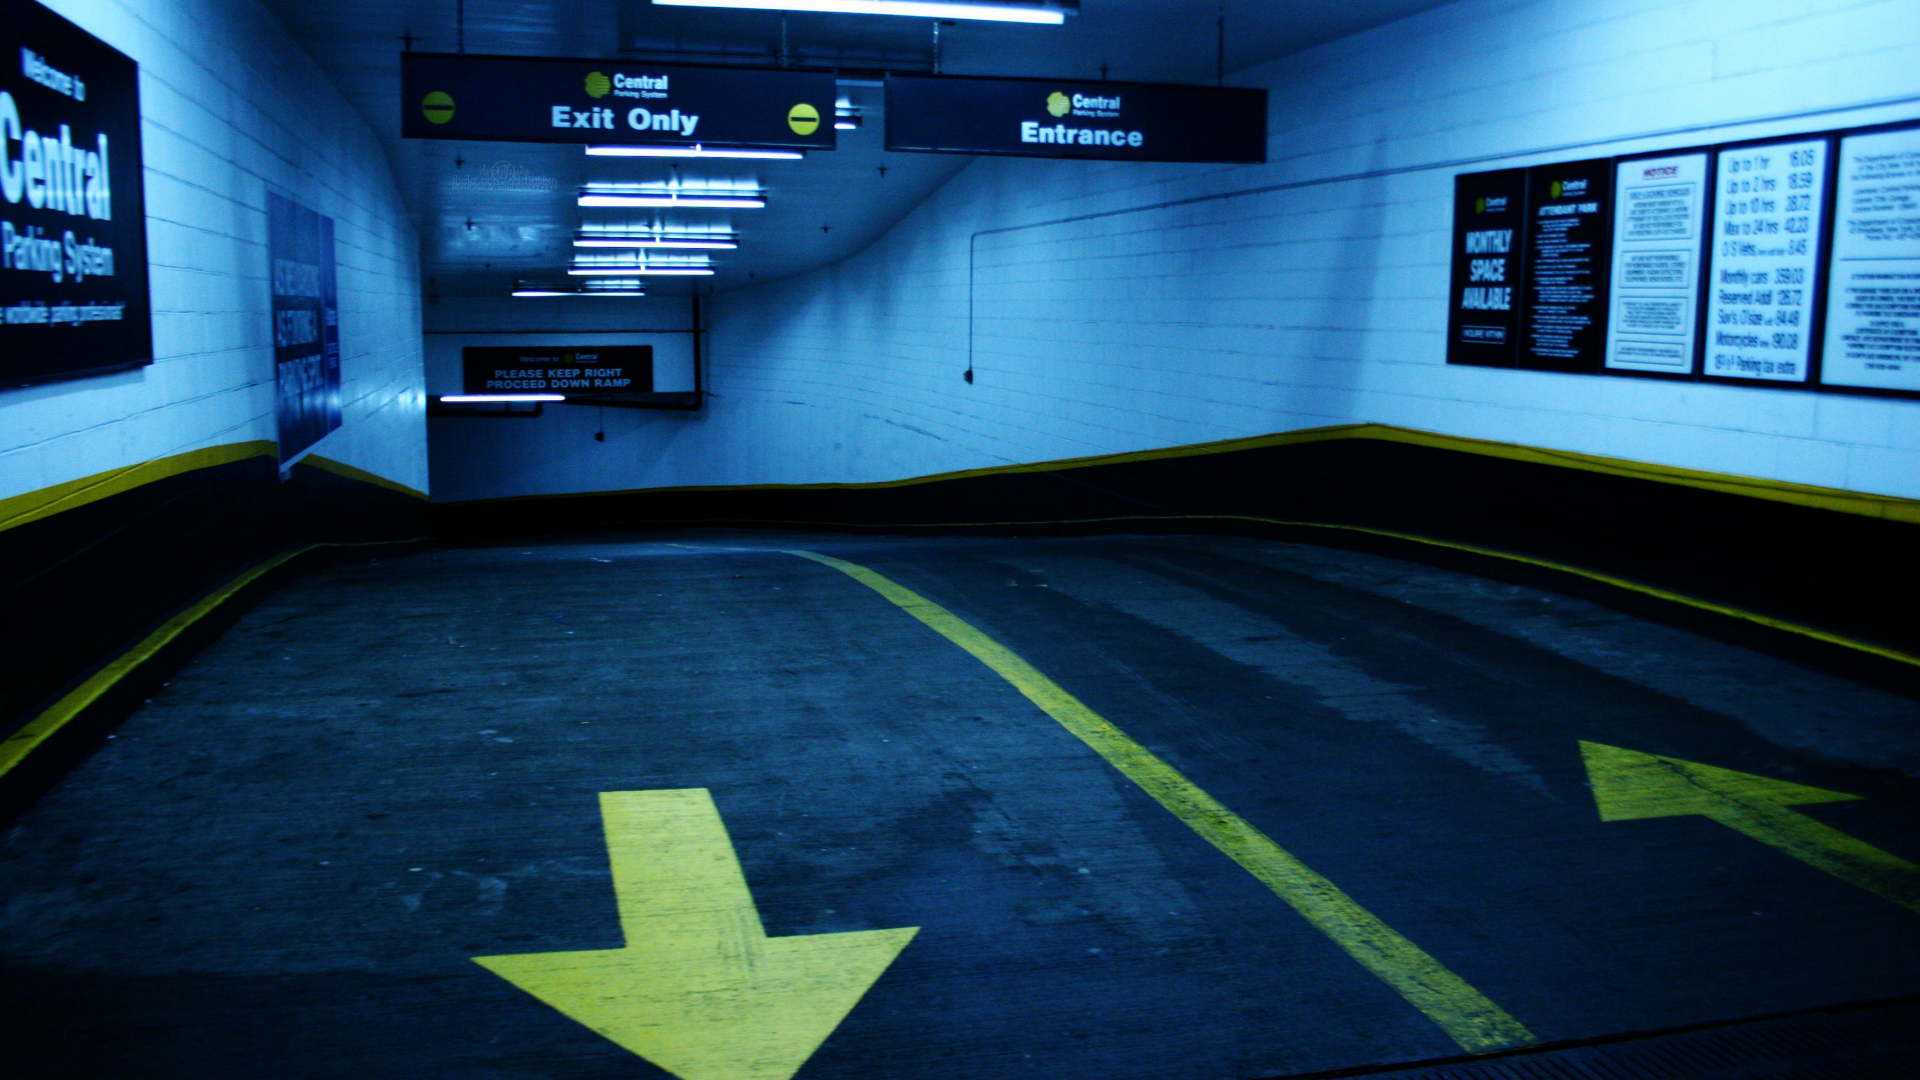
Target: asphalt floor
{"x":286,"y":863}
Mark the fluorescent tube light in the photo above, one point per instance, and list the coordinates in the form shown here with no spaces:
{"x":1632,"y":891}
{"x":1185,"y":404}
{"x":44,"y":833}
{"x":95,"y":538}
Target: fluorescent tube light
{"x":670,"y":199}
{"x":694,"y":151}
{"x":466,"y":399}
{"x":924,"y":9}
{"x":543,"y":292}
{"x":693,"y":242}
{"x":599,"y":271}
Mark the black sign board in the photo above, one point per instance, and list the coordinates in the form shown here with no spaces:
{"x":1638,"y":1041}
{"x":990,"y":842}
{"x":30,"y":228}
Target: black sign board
{"x":306,"y":323}
{"x":536,"y":369}
{"x":1569,"y":247}
{"x":1489,"y":251}
{"x":73,"y":230}
{"x":1067,"y":119}
{"x":522,"y":99}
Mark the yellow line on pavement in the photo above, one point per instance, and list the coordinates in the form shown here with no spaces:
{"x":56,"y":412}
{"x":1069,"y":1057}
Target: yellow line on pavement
{"x":1464,"y":1013}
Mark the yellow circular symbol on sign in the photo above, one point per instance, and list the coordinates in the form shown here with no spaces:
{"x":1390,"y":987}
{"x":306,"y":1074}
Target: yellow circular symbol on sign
{"x":437,"y":107}
{"x":598,"y":84}
{"x":1058,"y":103}
{"x":1555,"y":189}
{"x":804,"y":119}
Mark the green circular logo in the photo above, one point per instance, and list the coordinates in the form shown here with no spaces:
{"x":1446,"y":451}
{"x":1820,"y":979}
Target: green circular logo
{"x":1058,"y":103}
{"x":598,"y":84}
{"x":437,"y":107}
{"x":804,"y":119}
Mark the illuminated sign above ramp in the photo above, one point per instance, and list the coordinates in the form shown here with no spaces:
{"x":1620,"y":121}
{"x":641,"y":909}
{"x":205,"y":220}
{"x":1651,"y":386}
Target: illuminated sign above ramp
{"x":1064,"y":119}
{"x":528,"y":99}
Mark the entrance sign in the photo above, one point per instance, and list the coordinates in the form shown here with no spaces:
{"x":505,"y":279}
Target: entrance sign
{"x":1768,"y":202}
{"x":525,"y":99}
{"x":1563,"y":323}
{"x":1489,"y":229}
{"x":1064,"y":119}
{"x":533,"y":369}
{"x":73,"y":230}
{"x":1873,"y":290}
{"x":1658,"y":218}
{"x":306,"y":324}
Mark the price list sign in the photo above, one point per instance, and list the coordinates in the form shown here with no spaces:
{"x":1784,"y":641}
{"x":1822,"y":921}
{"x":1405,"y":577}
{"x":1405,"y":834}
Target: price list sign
{"x":1659,"y":215}
{"x":1766,"y":245}
{"x":1568,"y":207}
{"x":1873,"y":290}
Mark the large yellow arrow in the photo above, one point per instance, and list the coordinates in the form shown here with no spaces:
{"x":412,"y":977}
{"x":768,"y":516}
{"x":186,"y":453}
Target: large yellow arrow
{"x":700,"y":989}
{"x":1628,"y":784}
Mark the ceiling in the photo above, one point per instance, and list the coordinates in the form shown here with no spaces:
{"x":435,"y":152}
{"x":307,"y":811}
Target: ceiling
{"x":492,"y":214}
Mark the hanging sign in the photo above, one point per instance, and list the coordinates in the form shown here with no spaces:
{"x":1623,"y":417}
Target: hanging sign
{"x":1767,"y":216}
{"x":1658,"y":220}
{"x":1564,"y":319}
{"x":1873,"y":289}
{"x":1065,"y":119}
{"x":306,"y":324}
{"x":73,"y":230}
{"x":1489,"y":230}
{"x":524,"y":99}
{"x":534,"y":369}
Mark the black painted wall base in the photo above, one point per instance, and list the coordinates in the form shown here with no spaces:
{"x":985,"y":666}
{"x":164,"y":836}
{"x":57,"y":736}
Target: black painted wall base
{"x":1849,"y":574}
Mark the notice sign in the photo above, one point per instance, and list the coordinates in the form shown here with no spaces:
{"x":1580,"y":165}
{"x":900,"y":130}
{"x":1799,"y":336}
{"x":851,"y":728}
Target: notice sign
{"x":1659,"y":217}
{"x":1767,"y":210}
{"x":520,"y":99}
{"x":1489,"y":226}
{"x":590,"y":371}
{"x":1873,"y":289}
{"x":1564,"y":322}
{"x":306,"y":324}
{"x":1066,"y":119}
{"x":73,"y":230}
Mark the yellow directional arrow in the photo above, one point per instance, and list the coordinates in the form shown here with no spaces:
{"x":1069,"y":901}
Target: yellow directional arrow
{"x":1628,"y":784}
{"x":700,"y":989}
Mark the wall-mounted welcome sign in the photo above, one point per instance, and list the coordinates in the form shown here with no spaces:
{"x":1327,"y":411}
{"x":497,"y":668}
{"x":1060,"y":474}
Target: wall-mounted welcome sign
{"x":306,"y":323}
{"x":1067,"y":119}
{"x":534,"y":369}
{"x":73,"y":230}
{"x":526,"y":99}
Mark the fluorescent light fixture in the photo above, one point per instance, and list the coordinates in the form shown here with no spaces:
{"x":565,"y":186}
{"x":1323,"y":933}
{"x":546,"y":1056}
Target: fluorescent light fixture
{"x":629,"y":271}
{"x":466,"y":399}
{"x":695,"y":150}
{"x":924,"y":9}
{"x":697,"y":243}
{"x":668,"y":198}
{"x":543,"y":292}
{"x":846,"y":123}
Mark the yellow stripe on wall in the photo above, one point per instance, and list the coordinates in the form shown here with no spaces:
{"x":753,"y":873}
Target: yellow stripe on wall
{"x":1889,"y":507}
{"x":46,"y":502}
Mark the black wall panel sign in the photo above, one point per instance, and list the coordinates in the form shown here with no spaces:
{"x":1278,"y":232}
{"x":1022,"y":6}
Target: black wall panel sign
{"x":605,"y":369}
{"x":1065,"y":119}
{"x":1659,"y":224}
{"x":1563,"y":318}
{"x":306,"y":324}
{"x":1489,"y":229}
{"x":73,"y":231}
{"x":1769,"y":201}
{"x":520,"y":99}
{"x":1873,"y":290}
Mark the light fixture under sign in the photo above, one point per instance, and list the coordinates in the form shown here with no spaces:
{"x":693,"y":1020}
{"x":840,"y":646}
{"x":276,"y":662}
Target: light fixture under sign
{"x":695,"y":150}
{"x":747,"y":202}
{"x":630,"y":271}
{"x":701,"y":243}
{"x":470,"y":399}
{"x":925,"y":9}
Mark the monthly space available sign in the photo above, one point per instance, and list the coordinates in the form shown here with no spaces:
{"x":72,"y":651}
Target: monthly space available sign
{"x":73,"y":246}
{"x":1873,"y":290}
{"x":1065,"y":119}
{"x":524,"y":99}
{"x":587,"y":371}
{"x":306,"y":324}
{"x":1489,"y":244}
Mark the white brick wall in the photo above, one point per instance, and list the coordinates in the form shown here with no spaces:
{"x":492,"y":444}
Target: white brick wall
{"x":230,"y":108}
{"x":1322,"y":302}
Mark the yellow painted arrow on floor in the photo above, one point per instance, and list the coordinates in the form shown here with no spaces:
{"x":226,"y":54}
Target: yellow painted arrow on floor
{"x":1628,"y":784}
{"x":700,"y":989}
